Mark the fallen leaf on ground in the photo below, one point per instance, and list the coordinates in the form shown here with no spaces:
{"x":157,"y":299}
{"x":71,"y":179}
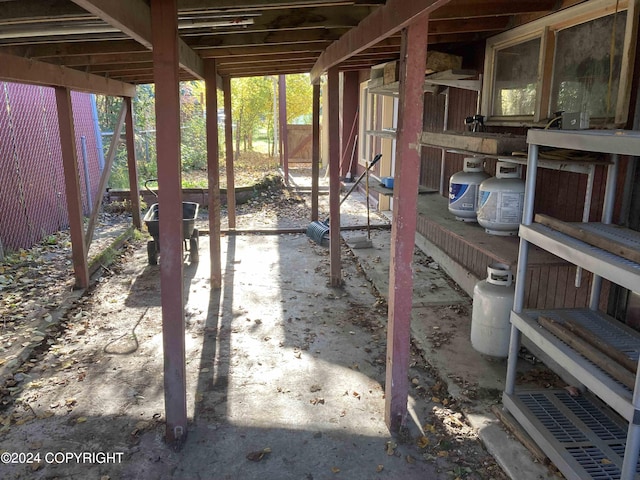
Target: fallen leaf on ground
{"x":258,"y":455}
{"x":390,"y":448}
{"x":423,"y":442}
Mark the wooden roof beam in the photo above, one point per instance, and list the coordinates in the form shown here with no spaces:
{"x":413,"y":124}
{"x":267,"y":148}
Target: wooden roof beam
{"x":272,"y":49}
{"x":133,"y":17}
{"x":491,"y":8}
{"x":41,"y":50}
{"x":385,"y":21}
{"x":15,"y":13}
{"x":267,"y":38}
{"x":22,"y":70}
{"x":278,"y":69}
{"x":229,"y":6}
{"x":107,"y":59}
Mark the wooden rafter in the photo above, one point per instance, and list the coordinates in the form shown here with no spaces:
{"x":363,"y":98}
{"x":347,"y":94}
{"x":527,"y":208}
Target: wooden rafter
{"x":22,"y":70}
{"x":356,"y":33}
{"x":385,"y":21}
{"x":133,"y":17}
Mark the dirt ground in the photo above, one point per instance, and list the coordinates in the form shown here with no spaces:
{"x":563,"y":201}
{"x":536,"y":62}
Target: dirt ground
{"x":285,"y":375}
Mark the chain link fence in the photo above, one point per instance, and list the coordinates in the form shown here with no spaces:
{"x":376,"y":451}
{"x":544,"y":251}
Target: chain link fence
{"x":32,"y":189}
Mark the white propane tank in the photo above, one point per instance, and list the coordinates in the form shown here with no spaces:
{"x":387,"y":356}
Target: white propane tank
{"x":463,"y":189}
{"x":492,"y":304}
{"x":501,"y":200}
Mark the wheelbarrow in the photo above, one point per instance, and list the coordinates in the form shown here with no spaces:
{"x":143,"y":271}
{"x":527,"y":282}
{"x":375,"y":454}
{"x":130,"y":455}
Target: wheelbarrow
{"x":190,"y":234}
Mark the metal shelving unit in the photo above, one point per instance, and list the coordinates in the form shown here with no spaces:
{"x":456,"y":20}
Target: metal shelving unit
{"x":595,"y":435}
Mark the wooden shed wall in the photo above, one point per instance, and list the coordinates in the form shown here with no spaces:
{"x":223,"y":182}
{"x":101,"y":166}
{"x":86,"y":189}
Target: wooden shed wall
{"x":559,"y":194}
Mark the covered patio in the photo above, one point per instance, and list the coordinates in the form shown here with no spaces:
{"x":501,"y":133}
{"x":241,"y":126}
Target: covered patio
{"x":108,"y":47}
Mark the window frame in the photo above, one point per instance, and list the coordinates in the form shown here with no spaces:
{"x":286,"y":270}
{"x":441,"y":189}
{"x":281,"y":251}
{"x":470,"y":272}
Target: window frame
{"x":546,"y":29}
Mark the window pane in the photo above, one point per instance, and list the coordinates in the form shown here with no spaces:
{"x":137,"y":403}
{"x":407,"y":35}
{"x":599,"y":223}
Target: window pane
{"x":581,"y":68}
{"x":516,"y":78}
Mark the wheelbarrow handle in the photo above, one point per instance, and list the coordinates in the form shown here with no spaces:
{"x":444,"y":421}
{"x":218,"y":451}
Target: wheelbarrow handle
{"x":147,"y":186}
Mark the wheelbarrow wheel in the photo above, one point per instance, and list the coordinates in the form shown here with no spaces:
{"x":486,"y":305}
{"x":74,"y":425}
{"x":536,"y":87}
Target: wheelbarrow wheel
{"x":152,"y":252}
{"x":193,"y":246}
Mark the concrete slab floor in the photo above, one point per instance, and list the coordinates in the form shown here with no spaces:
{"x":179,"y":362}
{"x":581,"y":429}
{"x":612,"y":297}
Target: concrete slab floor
{"x":441,"y":327}
{"x":285,"y":380}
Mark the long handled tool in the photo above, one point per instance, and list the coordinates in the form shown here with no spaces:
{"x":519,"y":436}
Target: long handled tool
{"x":318,"y":231}
{"x":364,"y":242}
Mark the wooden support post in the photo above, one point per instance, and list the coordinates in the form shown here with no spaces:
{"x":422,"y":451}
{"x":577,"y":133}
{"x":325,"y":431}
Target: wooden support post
{"x":164,"y":18}
{"x":413,"y":55}
{"x":132,"y":165}
{"x":228,"y":141}
{"x":72,"y":186}
{"x":315,"y":152}
{"x":350,"y":95}
{"x":334,"y":177}
{"x":106,"y":173}
{"x":213,"y":168}
{"x":282,"y":113}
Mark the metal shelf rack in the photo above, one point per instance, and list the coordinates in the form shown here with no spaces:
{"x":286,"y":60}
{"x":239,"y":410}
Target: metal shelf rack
{"x":591,"y":451}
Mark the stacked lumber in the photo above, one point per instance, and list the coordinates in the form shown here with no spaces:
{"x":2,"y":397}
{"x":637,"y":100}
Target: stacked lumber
{"x":574,"y":230}
{"x":584,"y":341}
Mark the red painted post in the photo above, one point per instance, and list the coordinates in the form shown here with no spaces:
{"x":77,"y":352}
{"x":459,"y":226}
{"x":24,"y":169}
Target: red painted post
{"x":72,"y":186}
{"x":213,"y":169}
{"x":350,"y":96}
{"x":228,"y":141}
{"x":282,"y":113}
{"x":132,"y":166}
{"x":164,"y":26}
{"x":335,"y":266}
{"x":315,"y":151}
{"x":405,"y":193}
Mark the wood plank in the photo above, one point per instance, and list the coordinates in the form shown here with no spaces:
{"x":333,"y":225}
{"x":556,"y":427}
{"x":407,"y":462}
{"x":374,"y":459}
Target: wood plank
{"x":72,"y":186}
{"x":333,"y":107}
{"x":166,"y":74}
{"x":575,"y":231}
{"x":213,"y":172}
{"x":602,"y":345}
{"x":383,"y":22}
{"x":587,"y":350}
{"x":483,"y":143}
{"x":133,"y":17}
{"x":229,"y":155}
{"x":132,"y":166}
{"x":22,"y":70}
{"x":413,"y":56}
{"x":106,"y":173}
{"x":315,"y":152}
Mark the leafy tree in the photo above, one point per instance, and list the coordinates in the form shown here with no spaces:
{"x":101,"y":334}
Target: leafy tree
{"x":299,"y":96}
{"x":252,"y":101}
{"x":251,"y":105}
